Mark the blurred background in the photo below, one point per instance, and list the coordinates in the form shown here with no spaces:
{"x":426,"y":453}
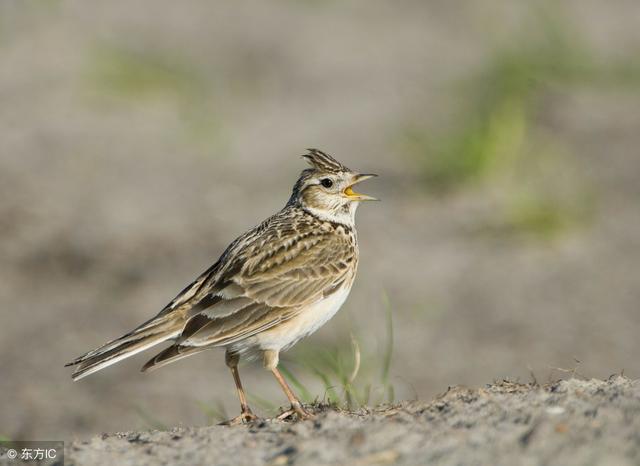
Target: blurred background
{"x":138,"y":138}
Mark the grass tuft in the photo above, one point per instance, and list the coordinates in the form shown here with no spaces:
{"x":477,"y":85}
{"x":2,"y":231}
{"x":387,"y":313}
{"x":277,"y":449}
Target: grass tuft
{"x":132,"y":75}
{"x":352,"y":376}
{"x":499,"y":141}
{"x":145,"y":74}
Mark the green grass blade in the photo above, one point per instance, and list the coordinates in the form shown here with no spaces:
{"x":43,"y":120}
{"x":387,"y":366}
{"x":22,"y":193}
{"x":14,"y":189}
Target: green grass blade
{"x":304,"y":393}
{"x":215,"y":413}
{"x":262,"y":403}
{"x":149,"y":420}
{"x":388,"y":354}
{"x":328,"y":386}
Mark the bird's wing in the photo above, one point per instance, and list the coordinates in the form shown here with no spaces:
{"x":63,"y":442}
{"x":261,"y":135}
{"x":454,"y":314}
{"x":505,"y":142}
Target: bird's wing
{"x":265,"y":280}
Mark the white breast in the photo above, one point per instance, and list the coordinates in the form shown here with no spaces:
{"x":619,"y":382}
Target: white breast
{"x":309,"y":320}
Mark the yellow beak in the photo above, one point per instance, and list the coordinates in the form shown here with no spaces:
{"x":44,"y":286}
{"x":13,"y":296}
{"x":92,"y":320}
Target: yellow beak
{"x":354,"y":196}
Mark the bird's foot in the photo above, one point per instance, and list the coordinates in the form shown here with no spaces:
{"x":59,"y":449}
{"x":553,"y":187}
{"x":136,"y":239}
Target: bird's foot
{"x":295,"y":410}
{"x":246,"y":417}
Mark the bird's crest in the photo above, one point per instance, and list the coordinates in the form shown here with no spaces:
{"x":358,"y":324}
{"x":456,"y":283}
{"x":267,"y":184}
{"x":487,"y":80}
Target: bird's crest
{"x":323,"y":162}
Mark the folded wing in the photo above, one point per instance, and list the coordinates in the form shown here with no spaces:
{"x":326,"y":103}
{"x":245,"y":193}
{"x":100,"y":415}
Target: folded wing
{"x":269,"y":281}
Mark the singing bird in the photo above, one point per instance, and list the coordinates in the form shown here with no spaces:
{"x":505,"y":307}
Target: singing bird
{"x":272,"y":286}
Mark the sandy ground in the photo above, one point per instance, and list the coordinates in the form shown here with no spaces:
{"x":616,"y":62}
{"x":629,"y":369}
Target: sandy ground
{"x":572,"y":422}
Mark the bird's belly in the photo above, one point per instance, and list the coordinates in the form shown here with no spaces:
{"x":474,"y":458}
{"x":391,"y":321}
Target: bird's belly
{"x":309,"y":320}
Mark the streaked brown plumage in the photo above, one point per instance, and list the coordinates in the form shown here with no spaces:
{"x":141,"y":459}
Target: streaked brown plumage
{"x":273,"y":285}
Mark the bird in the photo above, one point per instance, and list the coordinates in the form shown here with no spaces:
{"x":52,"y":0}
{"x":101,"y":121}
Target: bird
{"x":275,"y":284}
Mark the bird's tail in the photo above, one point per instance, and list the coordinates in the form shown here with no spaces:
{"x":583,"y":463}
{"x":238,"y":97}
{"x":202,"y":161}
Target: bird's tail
{"x":171,"y":354}
{"x":149,"y":334}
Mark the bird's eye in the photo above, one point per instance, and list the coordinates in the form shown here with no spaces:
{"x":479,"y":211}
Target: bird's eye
{"x":326,"y":182}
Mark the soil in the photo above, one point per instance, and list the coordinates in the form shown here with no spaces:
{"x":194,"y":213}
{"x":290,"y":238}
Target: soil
{"x":570,"y":422}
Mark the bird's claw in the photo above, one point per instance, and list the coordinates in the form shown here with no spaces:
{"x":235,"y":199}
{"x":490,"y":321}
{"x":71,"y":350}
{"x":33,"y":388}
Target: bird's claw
{"x":246,"y":417}
{"x":298,"y":411}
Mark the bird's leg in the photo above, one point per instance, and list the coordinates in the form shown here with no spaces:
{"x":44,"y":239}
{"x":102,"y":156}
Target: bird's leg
{"x":246,"y":415}
{"x":271,"y":359}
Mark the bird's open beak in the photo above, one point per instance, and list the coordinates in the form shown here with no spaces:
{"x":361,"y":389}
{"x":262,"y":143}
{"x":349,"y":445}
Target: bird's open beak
{"x":354,"y":196}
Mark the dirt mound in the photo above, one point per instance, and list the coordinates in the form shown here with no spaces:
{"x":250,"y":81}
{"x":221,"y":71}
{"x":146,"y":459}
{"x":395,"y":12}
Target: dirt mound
{"x":571,"y":422}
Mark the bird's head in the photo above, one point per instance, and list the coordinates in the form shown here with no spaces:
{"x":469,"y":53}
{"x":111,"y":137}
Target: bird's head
{"x":326,"y":189}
